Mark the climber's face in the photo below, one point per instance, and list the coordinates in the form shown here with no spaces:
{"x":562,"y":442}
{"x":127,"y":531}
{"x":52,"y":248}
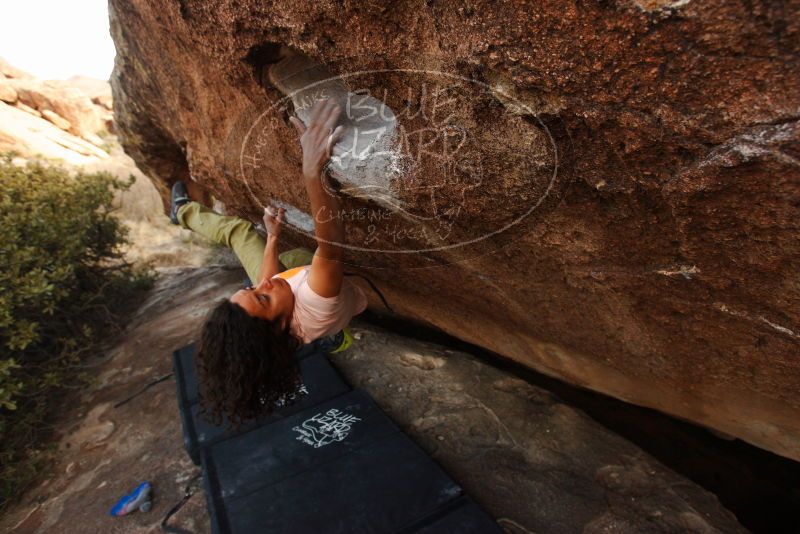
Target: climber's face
{"x":272,"y":300}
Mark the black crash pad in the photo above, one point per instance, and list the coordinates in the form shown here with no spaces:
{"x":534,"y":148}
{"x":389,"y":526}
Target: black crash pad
{"x":320,"y":380}
{"x":461,"y":516}
{"x":183,"y":366}
{"x":341,"y":466}
{"x":297,"y":443}
{"x":185,"y":377}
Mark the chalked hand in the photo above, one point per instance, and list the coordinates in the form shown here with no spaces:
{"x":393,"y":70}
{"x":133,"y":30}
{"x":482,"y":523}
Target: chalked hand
{"x":318,"y":138}
{"x":273,"y":219}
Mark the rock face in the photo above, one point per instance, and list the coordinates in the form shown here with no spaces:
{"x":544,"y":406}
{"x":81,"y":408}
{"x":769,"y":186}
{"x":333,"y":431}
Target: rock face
{"x":10,"y":71}
{"x":32,"y":134}
{"x":56,"y":119}
{"x":7,"y":93}
{"x":534,"y":463}
{"x":45,"y":136}
{"x":607,"y":193}
{"x":80,"y":114}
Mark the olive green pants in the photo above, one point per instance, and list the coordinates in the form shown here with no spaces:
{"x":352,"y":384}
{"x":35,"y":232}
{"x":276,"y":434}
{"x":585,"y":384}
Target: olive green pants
{"x":239,"y":235}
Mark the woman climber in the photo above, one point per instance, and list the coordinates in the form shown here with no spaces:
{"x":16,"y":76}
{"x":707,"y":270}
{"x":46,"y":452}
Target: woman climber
{"x":246,"y":361}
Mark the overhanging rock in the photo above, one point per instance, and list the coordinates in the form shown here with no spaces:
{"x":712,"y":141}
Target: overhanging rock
{"x":606,"y":193}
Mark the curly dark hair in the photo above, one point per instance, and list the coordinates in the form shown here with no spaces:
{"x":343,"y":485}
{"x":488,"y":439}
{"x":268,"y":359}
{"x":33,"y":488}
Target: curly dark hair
{"x":245,"y":365}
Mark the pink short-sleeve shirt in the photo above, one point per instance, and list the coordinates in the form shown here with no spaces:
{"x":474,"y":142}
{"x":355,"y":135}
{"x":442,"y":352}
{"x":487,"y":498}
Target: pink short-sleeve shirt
{"x":315,"y":316}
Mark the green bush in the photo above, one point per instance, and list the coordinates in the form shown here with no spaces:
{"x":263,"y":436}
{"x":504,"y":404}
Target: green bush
{"x":63,"y":284}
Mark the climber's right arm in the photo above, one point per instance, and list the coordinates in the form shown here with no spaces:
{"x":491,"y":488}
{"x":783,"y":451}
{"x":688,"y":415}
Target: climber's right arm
{"x":317,"y":140}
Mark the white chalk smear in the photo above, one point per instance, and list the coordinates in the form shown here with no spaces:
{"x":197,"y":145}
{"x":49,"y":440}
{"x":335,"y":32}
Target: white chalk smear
{"x":296,"y":217}
{"x":683,"y":270}
{"x":782,"y":329}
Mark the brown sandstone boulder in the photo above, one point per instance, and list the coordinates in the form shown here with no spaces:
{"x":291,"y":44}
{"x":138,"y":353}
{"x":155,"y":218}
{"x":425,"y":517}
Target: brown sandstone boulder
{"x":609,"y":193}
{"x":80,"y":105}
{"x":28,"y":109}
{"x":56,"y":119}
{"x":7,"y":93}
{"x":33,"y":135}
{"x":10,"y":71}
{"x":99,"y":91}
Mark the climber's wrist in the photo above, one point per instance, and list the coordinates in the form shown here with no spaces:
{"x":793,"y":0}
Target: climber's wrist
{"x":312,"y":175}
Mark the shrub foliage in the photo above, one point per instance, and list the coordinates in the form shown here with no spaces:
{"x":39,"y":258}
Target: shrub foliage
{"x":63,"y":284}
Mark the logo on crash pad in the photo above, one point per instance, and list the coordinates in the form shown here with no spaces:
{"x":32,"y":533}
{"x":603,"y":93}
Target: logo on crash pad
{"x":326,"y":428}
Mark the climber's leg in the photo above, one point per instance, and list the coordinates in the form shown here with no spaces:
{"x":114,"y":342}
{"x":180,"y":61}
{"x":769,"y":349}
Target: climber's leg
{"x":296,"y":257}
{"x":232,"y":232}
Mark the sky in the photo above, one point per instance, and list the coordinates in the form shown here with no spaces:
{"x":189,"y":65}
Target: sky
{"x":56,"y":39}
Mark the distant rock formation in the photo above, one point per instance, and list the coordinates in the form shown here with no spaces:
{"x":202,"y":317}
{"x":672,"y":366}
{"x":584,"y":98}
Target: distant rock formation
{"x":8,"y":70}
{"x":34,"y":126}
{"x":606,"y":192}
{"x":54,"y":118}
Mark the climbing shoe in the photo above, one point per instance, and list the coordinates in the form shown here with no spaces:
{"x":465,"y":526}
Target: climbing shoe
{"x":347,"y":340}
{"x":180,"y":196}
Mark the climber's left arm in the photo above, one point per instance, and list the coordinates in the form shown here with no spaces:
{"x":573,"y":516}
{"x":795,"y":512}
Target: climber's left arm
{"x":270,"y":266}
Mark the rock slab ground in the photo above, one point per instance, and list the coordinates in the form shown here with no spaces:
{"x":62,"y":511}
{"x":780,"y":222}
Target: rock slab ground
{"x":531,"y":461}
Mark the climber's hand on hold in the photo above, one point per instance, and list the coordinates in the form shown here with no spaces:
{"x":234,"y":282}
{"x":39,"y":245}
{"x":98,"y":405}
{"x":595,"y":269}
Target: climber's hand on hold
{"x":273,"y":219}
{"x":318,"y":138}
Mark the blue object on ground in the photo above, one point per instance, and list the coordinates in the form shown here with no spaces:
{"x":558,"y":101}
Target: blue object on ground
{"x":136,"y":499}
